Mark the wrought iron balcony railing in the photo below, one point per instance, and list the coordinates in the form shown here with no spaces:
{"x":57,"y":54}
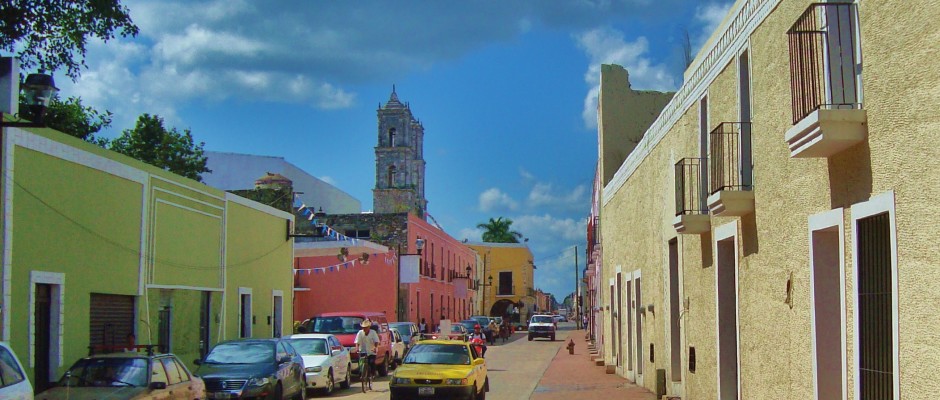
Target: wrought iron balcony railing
{"x":823,"y":63}
{"x":730,"y":157}
{"x":690,"y":186}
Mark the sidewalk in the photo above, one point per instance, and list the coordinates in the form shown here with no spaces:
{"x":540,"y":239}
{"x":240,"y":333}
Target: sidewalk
{"x":575,"y":375}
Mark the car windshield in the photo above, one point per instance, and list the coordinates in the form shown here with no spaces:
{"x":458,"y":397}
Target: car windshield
{"x":310,"y":347}
{"x":107,"y":372}
{"x":334,"y":325}
{"x":241,"y":353}
{"x":542,"y":319}
{"x":450,"y":354}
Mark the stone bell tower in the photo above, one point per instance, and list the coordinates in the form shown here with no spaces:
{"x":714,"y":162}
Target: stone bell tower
{"x":399,"y":161}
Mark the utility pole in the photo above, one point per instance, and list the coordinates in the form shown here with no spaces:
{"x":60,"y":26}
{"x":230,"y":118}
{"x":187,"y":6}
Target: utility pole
{"x":574,"y":300}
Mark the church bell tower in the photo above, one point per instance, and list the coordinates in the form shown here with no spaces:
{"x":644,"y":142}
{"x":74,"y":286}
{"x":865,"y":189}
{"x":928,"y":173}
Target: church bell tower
{"x":399,"y":161}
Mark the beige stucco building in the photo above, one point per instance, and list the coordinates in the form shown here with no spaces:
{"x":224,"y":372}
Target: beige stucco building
{"x":771,"y":236}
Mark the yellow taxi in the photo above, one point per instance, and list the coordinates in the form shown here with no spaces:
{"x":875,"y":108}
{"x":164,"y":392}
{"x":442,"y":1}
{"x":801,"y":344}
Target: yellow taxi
{"x":441,"y":369}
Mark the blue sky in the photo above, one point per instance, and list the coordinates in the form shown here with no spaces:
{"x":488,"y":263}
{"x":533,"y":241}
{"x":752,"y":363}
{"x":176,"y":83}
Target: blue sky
{"x":505,"y":90}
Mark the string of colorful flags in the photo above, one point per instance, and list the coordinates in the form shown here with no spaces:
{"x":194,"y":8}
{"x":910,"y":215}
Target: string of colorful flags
{"x":324,"y":229}
{"x":389,"y":260}
{"x":303,"y":210}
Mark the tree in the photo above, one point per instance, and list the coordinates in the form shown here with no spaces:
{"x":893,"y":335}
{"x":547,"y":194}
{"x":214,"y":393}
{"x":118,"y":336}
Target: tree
{"x":171,"y":150}
{"x":498,"y":231}
{"x":51,"y":34}
{"x":74,"y":118}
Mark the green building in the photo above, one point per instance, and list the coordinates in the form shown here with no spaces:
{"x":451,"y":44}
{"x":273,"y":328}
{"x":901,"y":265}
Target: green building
{"x":96,"y":245}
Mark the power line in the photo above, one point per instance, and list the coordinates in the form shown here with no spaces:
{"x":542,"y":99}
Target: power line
{"x":135,"y":251}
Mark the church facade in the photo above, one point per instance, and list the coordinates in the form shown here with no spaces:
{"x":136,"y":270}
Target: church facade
{"x":399,"y":161}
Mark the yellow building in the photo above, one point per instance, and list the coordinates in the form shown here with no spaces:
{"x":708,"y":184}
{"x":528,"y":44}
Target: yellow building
{"x":771,"y":236}
{"x":507,"y":279}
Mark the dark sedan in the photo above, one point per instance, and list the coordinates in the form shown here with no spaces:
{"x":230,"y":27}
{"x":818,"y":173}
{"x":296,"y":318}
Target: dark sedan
{"x":253,"y":368}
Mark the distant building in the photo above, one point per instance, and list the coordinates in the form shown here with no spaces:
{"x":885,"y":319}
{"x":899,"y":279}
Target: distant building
{"x":234,"y":171}
{"x":399,"y":161}
{"x":509,"y":269}
{"x":447,"y":276}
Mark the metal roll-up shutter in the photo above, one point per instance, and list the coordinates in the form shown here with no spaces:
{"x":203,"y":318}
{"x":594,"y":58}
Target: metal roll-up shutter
{"x":112,"y":319}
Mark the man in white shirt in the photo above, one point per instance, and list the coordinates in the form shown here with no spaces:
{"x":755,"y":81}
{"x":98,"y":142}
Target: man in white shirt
{"x":367,"y":342}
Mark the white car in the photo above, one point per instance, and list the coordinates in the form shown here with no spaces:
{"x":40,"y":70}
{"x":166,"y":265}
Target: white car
{"x":13,"y":382}
{"x":542,"y":326}
{"x":398,"y":347}
{"x":326,"y":361}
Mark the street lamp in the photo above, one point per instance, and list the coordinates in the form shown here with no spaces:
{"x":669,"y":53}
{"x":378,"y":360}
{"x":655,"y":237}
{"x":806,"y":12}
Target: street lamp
{"x":490,"y":279}
{"x":400,"y":309}
{"x":38,"y":90}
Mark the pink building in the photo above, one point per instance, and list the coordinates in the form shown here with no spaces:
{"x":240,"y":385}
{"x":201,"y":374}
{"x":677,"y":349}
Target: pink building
{"x":325,"y":283}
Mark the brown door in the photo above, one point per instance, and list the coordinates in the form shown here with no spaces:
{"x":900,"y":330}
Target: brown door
{"x":43,"y":328}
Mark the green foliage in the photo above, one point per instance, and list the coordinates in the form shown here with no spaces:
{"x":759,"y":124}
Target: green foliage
{"x":74,"y":118}
{"x":278,"y":198}
{"x":171,"y":150}
{"x":51,"y":34}
{"x":498,"y":231}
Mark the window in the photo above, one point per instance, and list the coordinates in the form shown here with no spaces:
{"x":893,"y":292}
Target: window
{"x":159,"y":373}
{"x":391,"y":177}
{"x":173,"y":373}
{"x":505,"y":283}
{"x":10,"y":373}
{"x":391,"y":137}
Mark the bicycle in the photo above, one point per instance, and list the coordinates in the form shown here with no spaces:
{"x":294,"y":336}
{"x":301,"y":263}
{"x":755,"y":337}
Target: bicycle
{"x":366,"y":371}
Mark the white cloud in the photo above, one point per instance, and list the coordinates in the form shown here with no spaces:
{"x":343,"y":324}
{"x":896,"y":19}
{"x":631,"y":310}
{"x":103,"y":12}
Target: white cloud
{"x":709,"y":16}
{"x":494,"y":199}
{"x":547,"y":230}
{"x":608,"y":46}
{"x":544,"y":195}
{"x":471,"y":234}
{"x":312,"y":53}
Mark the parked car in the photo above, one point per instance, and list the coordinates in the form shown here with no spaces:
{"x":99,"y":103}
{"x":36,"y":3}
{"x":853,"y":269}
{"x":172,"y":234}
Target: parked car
{"x":441,"y":369}
{"x":482,"y":320}
{"x":541,"y":326}
{"x":13,"y":382}
{"x":325,"y":359}
{"x":469,"y":324}
{"x":127,"y":375}
{"x":457,"y":332}
{"x":398,"y":347}
{"x":560,"y":318}
{"x":252,"y":368}
{"x":345,"y":326}
{"x":408,"y":330}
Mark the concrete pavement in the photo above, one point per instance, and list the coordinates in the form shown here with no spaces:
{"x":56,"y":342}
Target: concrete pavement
{"x":568,"y":376}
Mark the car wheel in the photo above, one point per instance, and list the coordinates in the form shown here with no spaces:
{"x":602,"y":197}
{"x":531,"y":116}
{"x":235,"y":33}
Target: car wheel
{"x":345,"y":383}
{"x":553,"y":338}
{"x":330,"y":381}
{"x":530,"y":338}
{"x":383,"y":370}
{"x":278,"y":393}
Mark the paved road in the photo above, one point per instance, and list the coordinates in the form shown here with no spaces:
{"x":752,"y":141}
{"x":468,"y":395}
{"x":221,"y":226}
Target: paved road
{"x":515,"y":369}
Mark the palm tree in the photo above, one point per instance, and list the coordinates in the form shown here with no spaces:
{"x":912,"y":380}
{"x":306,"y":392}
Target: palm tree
{"x":498,"y":231}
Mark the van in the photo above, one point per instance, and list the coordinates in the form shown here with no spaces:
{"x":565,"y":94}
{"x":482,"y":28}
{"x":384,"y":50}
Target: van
{"x":345,"y":325}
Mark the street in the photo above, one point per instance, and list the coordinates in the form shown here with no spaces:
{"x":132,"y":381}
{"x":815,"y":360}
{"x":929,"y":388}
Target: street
{"x":514,"y":368}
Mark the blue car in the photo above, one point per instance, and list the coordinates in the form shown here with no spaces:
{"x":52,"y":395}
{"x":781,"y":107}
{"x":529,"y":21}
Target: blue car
{"x":253,"y":368}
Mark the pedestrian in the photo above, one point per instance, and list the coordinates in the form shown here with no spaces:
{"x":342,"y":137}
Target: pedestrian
{"x":478,"y":339}
{"x":494,"y":329}
{"x":131,"y":345}
{"x":367,"y":344}
{"x":423,"y":326}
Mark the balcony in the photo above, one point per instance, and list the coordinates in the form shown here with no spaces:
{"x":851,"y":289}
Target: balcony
{"x":827,"y":116}
{"x":505,"y":290}
{"x":730,"y":170}
{"x":691,"y":211}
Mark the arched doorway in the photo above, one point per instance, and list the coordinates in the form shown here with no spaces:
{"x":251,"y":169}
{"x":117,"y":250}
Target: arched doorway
{"x":503,"y":308}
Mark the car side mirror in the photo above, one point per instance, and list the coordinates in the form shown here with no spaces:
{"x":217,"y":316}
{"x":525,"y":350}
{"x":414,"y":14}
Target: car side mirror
{"x":285,"y":359}
{"x":197,"y":361}
{"x":478,"y":361}
{"x":157,"y":385}
{"x":336,"y":352}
